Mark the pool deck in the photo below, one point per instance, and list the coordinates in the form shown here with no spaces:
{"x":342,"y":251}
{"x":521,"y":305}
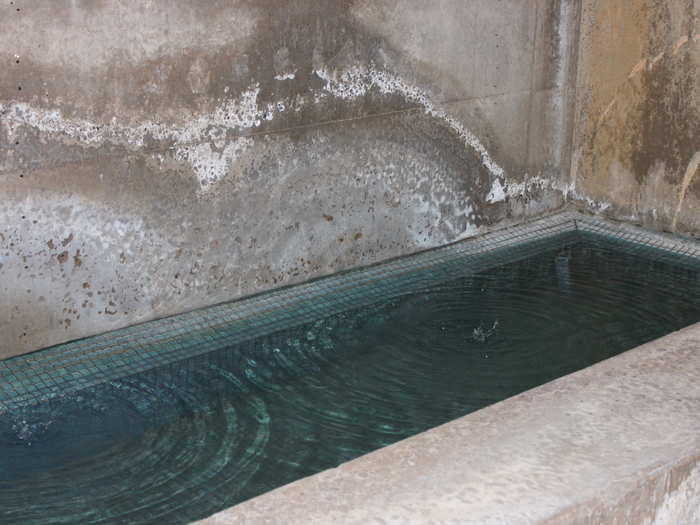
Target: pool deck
{"x":616,"y":443}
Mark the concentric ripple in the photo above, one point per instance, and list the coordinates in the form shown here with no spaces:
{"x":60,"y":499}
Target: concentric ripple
{"x":180,"y":442}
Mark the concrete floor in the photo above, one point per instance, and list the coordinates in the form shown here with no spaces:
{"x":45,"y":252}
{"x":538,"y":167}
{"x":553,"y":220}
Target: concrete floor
{"x":618,"y":443}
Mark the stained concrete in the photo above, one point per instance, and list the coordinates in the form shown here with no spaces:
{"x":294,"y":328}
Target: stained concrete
{"x":637,"y":139}
{"x":160,"y":156}
{"x":616,"y":443}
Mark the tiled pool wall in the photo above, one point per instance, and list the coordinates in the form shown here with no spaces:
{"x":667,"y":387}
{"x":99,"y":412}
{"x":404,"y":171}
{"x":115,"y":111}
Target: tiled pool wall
{"x":32,"y":377}
{"x":65,"y":368}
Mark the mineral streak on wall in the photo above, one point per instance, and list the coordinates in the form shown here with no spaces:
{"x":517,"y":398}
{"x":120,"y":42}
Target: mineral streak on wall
{"x":637,"y":140}
{"x":159,"y":156}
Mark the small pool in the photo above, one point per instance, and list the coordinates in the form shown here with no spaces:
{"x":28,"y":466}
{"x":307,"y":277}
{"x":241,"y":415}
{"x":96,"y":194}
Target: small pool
{"x":174,"y":420}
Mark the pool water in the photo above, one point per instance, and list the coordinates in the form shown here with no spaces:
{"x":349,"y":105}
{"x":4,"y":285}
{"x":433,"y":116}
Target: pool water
{"x":182,"y":441}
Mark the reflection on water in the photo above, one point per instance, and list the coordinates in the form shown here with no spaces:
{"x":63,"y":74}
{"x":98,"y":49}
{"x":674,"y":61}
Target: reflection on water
{"x":180,"y":442}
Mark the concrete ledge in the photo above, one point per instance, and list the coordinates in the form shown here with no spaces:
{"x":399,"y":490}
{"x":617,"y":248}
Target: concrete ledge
{"x":618,"y":442}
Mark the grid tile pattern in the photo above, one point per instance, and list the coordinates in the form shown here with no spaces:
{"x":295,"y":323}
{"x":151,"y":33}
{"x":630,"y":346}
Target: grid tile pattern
{"x":43,"y":375}
{"x":636,"y":240}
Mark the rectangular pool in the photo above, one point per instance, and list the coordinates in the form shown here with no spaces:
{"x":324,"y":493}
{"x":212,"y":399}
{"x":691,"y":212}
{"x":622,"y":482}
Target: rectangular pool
{"x":173,"y":420}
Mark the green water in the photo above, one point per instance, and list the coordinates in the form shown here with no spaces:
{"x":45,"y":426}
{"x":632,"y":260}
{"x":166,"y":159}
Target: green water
{"x":180,"y":442}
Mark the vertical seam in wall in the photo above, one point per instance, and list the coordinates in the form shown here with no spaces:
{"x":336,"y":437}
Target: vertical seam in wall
{"x":572,"y":130}
{"x":533,"y":63}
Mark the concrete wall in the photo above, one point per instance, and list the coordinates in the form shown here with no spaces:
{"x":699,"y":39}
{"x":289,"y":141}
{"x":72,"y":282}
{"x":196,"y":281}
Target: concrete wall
{"x":160,"y":156}
{"x":637,"y":139}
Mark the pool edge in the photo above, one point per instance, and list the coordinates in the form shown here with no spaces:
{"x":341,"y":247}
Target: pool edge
{"x":572,"y":451}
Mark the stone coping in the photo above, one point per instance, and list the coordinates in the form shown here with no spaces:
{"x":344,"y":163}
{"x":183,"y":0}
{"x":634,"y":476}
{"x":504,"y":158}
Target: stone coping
{"x":617,"y":443}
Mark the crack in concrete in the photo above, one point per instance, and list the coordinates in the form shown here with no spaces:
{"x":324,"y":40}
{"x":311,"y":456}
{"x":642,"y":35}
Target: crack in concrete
{"x":690,"y":173}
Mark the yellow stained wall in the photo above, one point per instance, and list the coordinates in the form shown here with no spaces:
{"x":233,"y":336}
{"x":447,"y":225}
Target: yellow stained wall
{"x":636,"y":146}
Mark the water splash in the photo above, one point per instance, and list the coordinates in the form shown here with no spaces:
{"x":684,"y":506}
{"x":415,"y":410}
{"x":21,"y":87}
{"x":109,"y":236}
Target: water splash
{"x":481,"y":334}
{"x":30,"y":431}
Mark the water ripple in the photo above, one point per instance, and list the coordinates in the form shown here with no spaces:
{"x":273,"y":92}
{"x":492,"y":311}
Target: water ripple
{"x":180,"y":442}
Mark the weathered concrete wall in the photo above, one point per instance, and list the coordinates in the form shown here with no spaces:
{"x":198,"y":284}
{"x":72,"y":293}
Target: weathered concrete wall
{"x":160,"y":156}
{"x":637,"y":139}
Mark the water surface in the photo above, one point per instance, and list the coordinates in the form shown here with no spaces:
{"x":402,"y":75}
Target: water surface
{"x":183,"y":441}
